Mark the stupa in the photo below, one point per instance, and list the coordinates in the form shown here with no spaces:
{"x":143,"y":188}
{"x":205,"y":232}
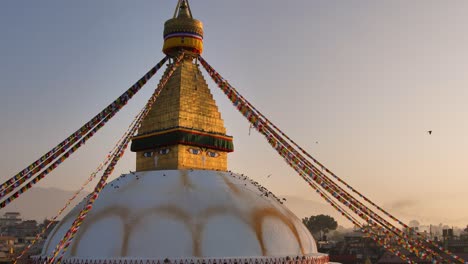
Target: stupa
{"x":182,"y":205}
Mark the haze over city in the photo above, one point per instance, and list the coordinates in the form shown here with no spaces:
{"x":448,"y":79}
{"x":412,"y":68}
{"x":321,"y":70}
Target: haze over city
{"x":357,"y":84}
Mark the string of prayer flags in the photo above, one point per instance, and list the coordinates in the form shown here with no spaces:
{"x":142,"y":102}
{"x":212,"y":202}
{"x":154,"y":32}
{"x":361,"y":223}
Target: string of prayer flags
{"x":120,"y":150}
{"x":293,"y":158}
{"x":110,"y":110}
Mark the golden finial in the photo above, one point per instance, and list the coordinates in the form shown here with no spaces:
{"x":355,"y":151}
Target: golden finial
{"x":182,"y":10}
{"x":183,"y":31}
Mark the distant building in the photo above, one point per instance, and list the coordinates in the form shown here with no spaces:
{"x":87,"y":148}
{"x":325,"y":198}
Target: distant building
{"x":10,"y":219}
{"x":355,"y":249}
{"x":26,"y":228}
{"x":16,"y":234}
{"x":7,"y":248}
{"x":455,"y":244}
{"x":389,"y":258}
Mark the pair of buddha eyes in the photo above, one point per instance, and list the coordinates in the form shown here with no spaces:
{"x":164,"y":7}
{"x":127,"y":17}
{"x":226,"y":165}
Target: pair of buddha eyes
{"x":209,"y":153}
{"x":158,"y":152}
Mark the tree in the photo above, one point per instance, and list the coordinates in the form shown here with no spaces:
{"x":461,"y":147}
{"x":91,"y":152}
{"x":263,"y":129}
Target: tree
{"x":320,"y":224}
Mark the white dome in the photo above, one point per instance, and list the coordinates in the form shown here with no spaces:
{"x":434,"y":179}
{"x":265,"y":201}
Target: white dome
{"x":185,"y":214}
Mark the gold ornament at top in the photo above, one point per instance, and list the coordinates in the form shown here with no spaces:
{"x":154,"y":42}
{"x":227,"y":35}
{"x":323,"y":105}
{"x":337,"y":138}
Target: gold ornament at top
{"x":183,"y":31}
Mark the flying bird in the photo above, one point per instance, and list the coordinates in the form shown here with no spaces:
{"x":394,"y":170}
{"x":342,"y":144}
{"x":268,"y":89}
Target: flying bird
{"x":268,"y":175}
{"x":429,"y":132}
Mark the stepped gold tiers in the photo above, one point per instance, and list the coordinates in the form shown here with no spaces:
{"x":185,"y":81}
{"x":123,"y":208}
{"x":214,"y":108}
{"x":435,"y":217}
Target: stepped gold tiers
{"x":183,"y":32}
{"x":184,"y":129}
{"x":182,"y":206}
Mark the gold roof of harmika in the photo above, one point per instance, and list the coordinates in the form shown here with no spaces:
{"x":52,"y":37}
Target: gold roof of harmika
{"x":183,"y":31}
{"x":184,"y":129}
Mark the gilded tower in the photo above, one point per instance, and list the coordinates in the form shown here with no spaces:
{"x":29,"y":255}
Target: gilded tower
{"x":168,"y":213}
{"x":184,"y":129}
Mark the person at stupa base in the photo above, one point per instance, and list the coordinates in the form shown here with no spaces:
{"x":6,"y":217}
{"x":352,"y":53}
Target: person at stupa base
{"x":181,"y":205}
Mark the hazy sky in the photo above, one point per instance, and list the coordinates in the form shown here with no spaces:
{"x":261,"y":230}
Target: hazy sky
{"x":366,"y":79}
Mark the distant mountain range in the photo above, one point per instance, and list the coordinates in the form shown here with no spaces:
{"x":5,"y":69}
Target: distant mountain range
{"x":41,"y":203}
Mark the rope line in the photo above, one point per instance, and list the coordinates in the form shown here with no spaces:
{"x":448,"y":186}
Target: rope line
{"x":263,"y":127}
{"x":47,"y":158}
{"x":423,"y":239}
{"x":344,"y":197}
{"x":51,"y":167}
{"x":64,"y":244}
{"x":91,"y":178}
{"x":372,"y":234}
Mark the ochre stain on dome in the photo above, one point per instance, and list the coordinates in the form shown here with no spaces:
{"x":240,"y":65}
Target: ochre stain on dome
{"x":121,"y":212}
{"x":230,"y":184}
{"x":173,"y":212}
{"x":212,"y":212}
{"x":259,"y":215}
{"x":71,"y":215}
{"x":196,"y":228}
{"x":196,"y":222}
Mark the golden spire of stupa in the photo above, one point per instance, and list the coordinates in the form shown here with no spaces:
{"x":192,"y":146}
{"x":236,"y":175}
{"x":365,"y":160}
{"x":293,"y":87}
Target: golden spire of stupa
{"x":184,"y":129}
{"x":183,"y":31}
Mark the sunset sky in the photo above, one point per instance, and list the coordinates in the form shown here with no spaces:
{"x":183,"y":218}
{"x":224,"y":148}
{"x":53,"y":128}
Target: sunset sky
{"x":364,"y":79}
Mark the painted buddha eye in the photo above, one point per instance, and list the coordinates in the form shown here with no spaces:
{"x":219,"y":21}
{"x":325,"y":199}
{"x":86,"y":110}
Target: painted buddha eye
{"x":163,"y":151}
{"x":212,"y":154}
{"x":148,"y":154}
{"x":194,"y":151}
